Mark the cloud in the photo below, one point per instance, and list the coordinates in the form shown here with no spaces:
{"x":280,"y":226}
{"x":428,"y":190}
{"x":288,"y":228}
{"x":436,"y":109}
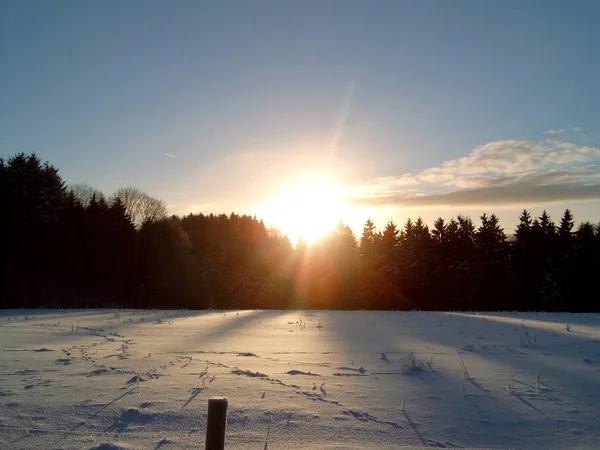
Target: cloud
{"x":577,"y":129}
{"x":508,"y":172}
{"x":170,"y":155}
{"x":552,"y":131}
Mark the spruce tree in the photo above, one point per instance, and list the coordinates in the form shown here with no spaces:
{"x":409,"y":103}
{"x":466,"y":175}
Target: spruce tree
{"x":491,"y":268}
{"x":368,"y":279}
{"x":523,"y":230}
{"x":389,"y":266}
{"x":566,"y":225}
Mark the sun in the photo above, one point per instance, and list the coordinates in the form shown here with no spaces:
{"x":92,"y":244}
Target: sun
{"x":308,"y":209}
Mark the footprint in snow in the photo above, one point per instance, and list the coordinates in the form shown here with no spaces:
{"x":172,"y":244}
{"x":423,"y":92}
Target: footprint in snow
{"x":322,"y":388}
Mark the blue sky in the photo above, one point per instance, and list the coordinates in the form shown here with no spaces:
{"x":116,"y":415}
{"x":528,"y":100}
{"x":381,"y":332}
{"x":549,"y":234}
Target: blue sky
{"x":416,"y":107}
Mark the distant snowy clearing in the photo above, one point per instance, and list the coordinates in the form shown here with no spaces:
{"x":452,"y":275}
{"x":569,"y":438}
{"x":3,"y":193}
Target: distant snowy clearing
{"x":124,"y":379}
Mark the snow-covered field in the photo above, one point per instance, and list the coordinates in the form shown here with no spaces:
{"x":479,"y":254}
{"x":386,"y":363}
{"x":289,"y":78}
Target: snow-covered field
{"x":309,"y":379}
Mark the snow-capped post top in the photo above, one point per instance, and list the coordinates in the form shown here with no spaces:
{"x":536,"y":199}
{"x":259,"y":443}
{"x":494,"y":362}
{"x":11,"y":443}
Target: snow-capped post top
{"x":216,"y":422}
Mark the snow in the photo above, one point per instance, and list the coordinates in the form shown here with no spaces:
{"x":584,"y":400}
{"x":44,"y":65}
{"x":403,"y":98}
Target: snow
{"x":118,"y":379}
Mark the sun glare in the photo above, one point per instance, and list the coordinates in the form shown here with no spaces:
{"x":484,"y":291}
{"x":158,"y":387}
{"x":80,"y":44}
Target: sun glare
{"x":310,"y":208}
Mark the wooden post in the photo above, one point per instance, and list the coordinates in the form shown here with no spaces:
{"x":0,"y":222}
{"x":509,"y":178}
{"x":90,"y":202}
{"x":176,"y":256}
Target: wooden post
{"x":216,"y":422}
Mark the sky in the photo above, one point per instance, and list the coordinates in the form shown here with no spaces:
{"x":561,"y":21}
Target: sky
{"x":410,"y":108}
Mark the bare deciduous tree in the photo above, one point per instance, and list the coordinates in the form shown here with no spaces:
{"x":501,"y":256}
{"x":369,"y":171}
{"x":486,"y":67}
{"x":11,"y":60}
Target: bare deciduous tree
{"x":140,"y":206}
{"x":84,"y":193}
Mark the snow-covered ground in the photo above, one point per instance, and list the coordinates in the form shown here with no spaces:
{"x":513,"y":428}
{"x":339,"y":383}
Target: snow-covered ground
{"x":309,"y":379}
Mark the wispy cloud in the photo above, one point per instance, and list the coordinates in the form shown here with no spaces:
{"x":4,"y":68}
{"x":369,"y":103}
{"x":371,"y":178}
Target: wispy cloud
{"x":553,"y":131}
{"x":509,"y":172}
{"x":577,"y":130}
{"x":170,"y":155}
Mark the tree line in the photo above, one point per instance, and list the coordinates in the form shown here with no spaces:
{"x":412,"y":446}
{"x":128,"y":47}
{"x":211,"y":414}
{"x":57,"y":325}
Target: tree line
{"x":73,"y":247}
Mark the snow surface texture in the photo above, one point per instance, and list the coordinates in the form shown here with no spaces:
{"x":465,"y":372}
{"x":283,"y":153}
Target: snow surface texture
{"x":108,"y":379}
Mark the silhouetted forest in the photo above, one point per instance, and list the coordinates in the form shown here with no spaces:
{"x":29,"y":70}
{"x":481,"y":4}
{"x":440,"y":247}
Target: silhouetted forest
{"x":70,"y":247}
